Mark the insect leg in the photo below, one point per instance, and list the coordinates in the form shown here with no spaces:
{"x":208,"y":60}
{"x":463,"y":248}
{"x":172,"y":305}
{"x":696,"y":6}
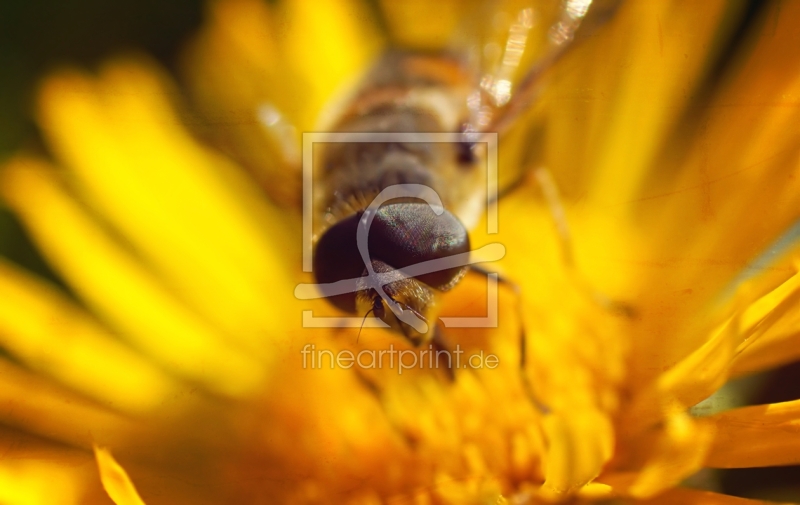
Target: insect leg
{"x":523,"y":339}
{"x":442,"y":347}
{"x":552,"y":198}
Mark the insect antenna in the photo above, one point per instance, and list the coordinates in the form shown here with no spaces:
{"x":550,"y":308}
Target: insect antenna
{"x":370,"y":311}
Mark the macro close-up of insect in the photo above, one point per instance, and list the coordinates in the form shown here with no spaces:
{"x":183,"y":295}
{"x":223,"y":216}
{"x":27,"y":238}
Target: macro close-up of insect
{"x":375,"y":251}
{"x":423,"y":92}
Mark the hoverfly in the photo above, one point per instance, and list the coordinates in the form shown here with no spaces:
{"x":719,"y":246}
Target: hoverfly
{"x":374,"y":245}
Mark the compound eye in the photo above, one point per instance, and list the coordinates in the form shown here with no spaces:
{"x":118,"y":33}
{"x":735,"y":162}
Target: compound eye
{"x":336,"y":258}
{"x":405,"y":234}
{"x":401,"y":235}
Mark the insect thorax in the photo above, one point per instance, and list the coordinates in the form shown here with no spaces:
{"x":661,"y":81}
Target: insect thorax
{"x":404,"y":93}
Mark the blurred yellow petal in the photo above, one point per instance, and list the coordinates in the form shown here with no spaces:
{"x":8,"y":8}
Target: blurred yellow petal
{"x":328,"y":43}
{"x":38,"y":483}
{"x":35,"y":473}
{"x":581,"y":442}
{"x":762,"y":435}
{"x":236,"y":72}
{"x":177,"y":203}
{"x":240,"y":37}
{"x":697,"y":497}
{"x":115,"y":480}
{"x":49,"y":334}
{"x":260,"y":73}
{"x":119,"y":287}
{"x":36,"y":405}
{"x":423,"y":25}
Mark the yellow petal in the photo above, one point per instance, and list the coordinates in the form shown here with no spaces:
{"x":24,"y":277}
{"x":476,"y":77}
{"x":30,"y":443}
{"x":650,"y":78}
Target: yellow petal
{"x":771,"y":327}
{"x":758,"y":335}
{"x":179,"y":205}
{"x":580,"y":443}
{"x":292,"y":57}
{"x":628,"y":101}
{"x":115,"y":480}
{"x":762,"y":435}
{"x":34,"y":472}
{"x":719,"y":202}
{"x":36,"y":405}
{"x":693,"y":379}
{"x":577,"y":356}
{"x":697,"y":497}
{"x":669,"y":455}
{"x":119,"y":288}
{"x":38,"y":483}
{"x":771,"y":351}
{"x":46,"y":332}
{"x":328,"y":43}
{"x":235,"y":71}
{"x":423,"y":25}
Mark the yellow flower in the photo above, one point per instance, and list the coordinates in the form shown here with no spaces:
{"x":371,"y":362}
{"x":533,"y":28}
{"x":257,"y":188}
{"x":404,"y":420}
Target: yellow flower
{"x":178,"y":347}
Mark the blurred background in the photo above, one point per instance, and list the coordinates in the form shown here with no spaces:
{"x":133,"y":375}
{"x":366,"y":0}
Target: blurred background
{"x":36,"y":35}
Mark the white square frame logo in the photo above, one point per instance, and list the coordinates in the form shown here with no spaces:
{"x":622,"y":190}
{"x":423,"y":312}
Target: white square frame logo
{"x":309,"y":139}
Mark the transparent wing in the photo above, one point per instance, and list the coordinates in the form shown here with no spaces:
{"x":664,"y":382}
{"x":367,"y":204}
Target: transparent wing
{"x":517,"y":43}
{"x":511,"y":45}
